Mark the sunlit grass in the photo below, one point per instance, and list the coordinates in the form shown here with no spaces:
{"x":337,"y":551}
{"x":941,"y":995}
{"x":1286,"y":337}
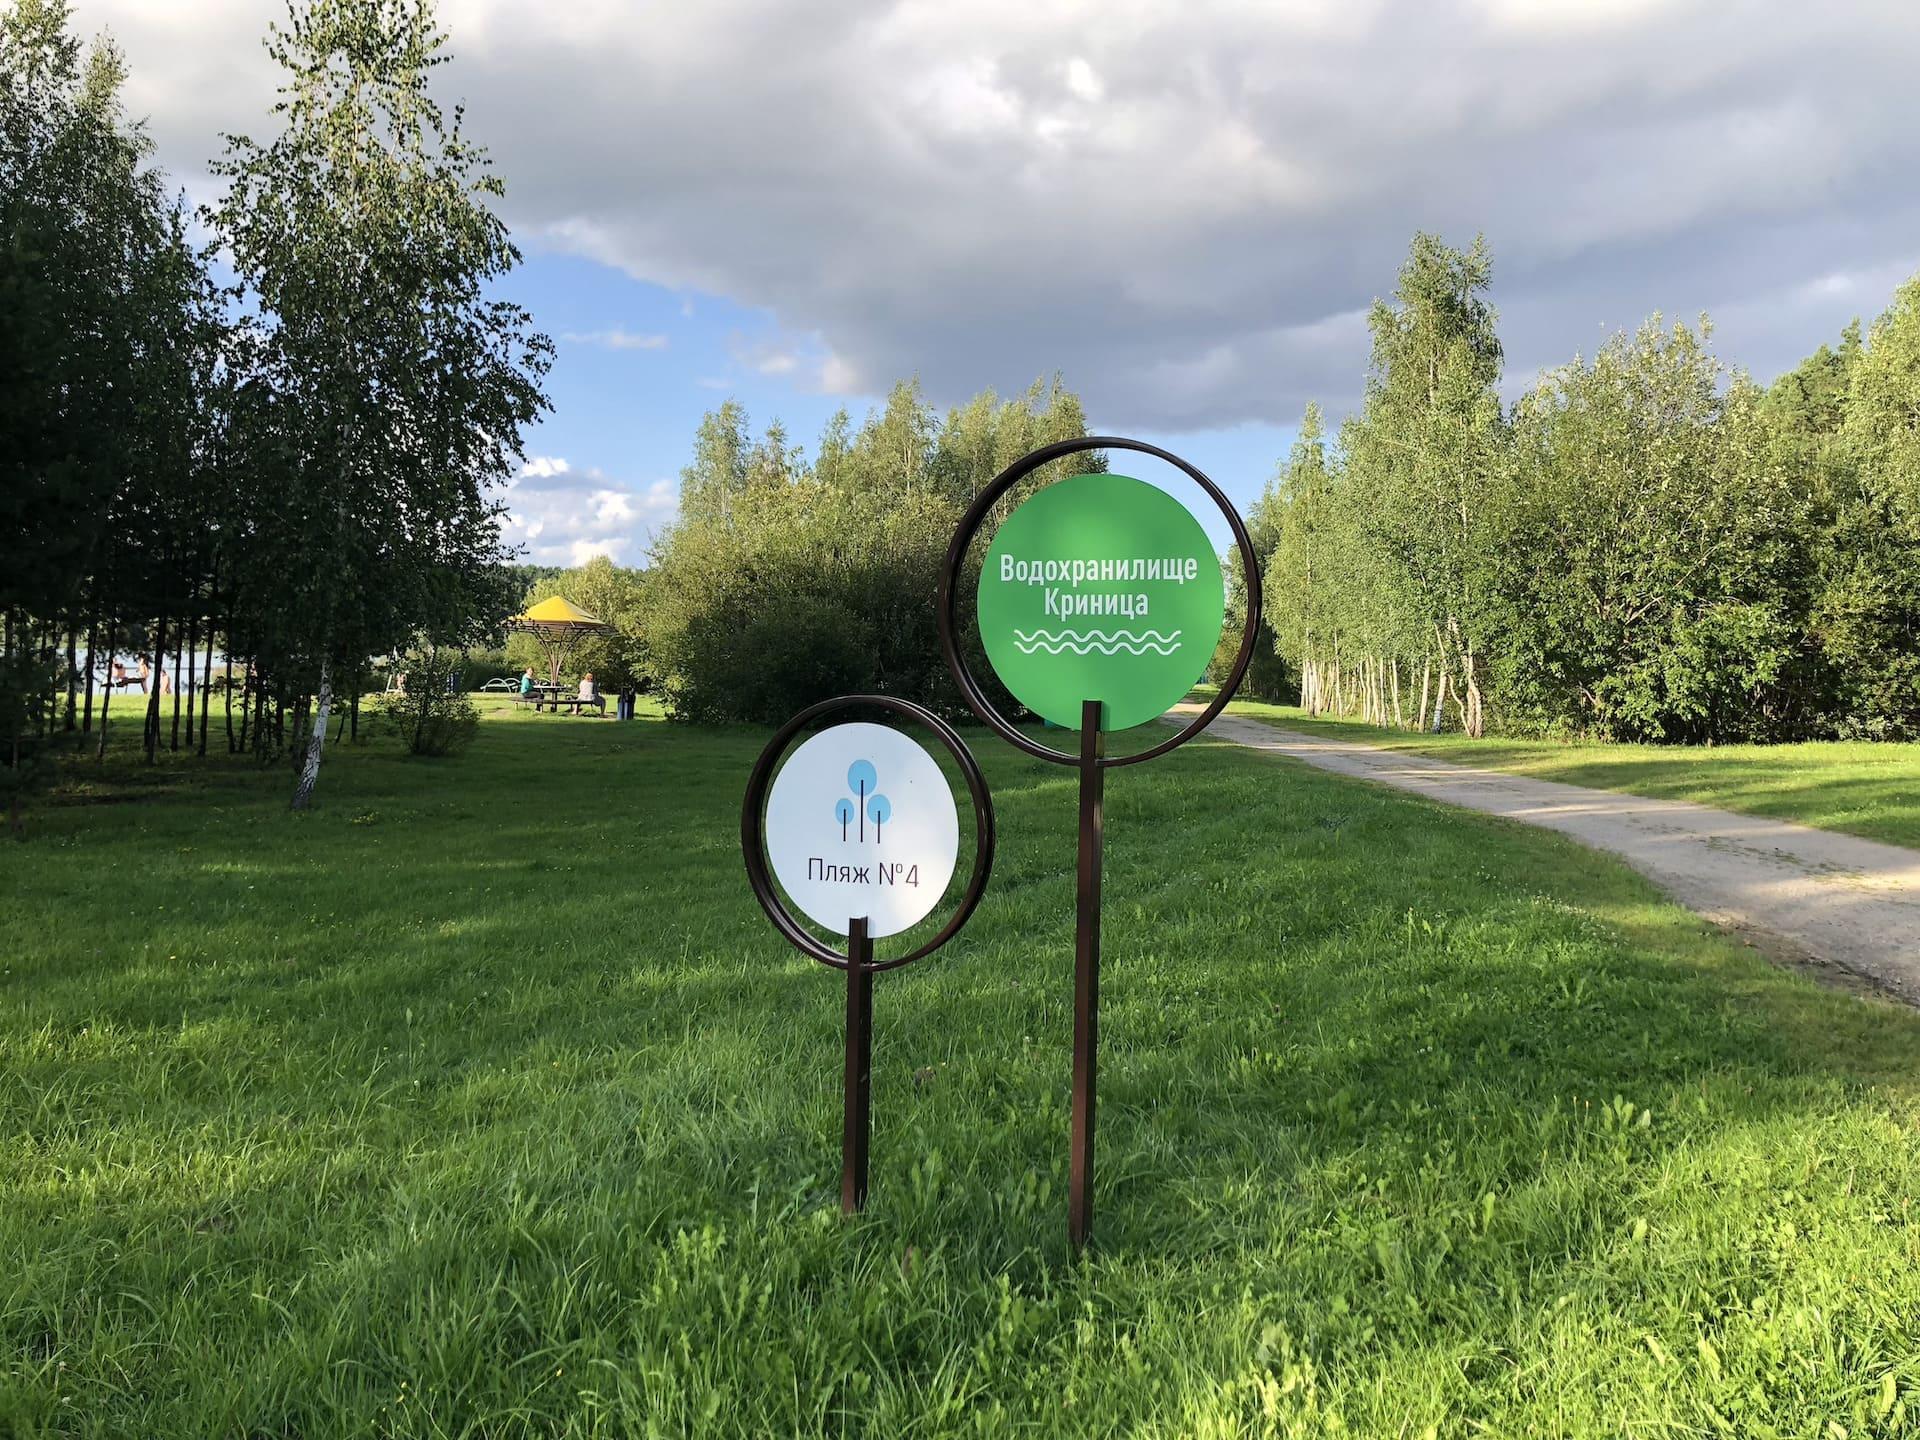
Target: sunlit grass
{"x":483,"y":1101}
{"x":1863,"y":787}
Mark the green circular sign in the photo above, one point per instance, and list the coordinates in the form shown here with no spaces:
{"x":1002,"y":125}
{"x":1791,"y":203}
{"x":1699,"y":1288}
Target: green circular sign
{"x":1101,"y":587}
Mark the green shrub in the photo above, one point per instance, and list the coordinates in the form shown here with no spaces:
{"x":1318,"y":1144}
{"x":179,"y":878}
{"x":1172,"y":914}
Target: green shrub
{"x":30,"y":733}
{"x":428,"y":717}
{"x":822,"y":590}
{"x":478,"y":668}
{"x":785,"y":582}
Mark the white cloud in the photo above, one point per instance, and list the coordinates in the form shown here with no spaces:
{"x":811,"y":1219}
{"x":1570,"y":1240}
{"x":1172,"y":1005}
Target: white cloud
{"x":616,"y":339}
{"x":1084,"y":81}
{"x":837,"y":377}
{"x":557,"y":515}
{"x":806,"y":360}
{"x":1167,"y":202}
{"x":967,"y":98}
{"x":579,"y":552}
{"x":612,"y":507}
{"x":1547,"y":16}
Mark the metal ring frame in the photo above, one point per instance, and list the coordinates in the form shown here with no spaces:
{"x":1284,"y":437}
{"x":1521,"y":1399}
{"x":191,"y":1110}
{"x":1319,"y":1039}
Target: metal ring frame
{"x":956,"y":556}
{"x":753,"y":827}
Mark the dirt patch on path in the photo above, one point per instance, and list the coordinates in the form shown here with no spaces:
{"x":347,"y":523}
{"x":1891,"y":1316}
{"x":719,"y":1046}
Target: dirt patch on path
{"x":1798,"y":893}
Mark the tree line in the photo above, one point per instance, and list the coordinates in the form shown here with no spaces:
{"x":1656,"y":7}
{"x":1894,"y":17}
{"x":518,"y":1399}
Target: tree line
{"x":266,"y":438}
{"x":272,"y":428}
{"x":1645,"y":545}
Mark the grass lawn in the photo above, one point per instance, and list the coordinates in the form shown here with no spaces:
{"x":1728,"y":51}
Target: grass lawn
{"x":1863,"y":787}
{"x":484,"y":1102}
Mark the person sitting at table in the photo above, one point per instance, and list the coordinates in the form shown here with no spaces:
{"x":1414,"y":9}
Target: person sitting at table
{"x":526,"y":682}
{"x":587,"y":693}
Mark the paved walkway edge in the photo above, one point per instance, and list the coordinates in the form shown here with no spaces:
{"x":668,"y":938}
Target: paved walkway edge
{"x":1818,"y":894}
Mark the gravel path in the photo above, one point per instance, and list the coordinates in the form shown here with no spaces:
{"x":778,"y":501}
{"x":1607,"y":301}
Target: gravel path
{"x":1802,"y":894}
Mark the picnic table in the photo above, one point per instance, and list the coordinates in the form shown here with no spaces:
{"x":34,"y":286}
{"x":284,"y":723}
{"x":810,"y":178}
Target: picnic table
{"x":558,"y":697}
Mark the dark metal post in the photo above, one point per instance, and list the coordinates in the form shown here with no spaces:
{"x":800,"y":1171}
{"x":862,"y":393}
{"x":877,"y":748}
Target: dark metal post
{"x":1090,"y":761}
{"x":858,"y":1122}
{"x":858,"y":961}
{"x":1086,"y":977}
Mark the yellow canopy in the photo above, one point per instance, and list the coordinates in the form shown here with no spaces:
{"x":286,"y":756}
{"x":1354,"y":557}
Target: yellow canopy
{"x":557,"y":610}
{"x":558,"y":625}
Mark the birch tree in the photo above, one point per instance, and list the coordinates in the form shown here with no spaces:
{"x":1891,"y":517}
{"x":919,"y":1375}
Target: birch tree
{"x":713,"y":482}
{"x":1298,"y":583}
{"x":364,"y":234}
{"x":1426,"y":458}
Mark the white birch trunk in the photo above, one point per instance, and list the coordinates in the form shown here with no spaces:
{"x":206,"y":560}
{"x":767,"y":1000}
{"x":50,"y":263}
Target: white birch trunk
{"x":316,"y":740}
{"x":1476,"y":725}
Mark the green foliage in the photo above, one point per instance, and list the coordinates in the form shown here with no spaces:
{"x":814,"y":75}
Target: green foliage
{"x":1267,"y":677}
{"x":83,"y":228}
{"x":778,"y":656}
{"x":386,"y":389}
{"x":1299,"y":586}
{"x":28,"y":730}
{"x":734,"y":602}
{"x":1386,"y":544}
{"x":1867,"y":609}
{"x":1424,"y":462}
{"x":784,"y":583}
{"x":106,"y":360}
{"x":1409,"y":1121}
{"x":433,"y":715}
{"x":302,"y":468}
{"x":480,"y":666}
{"x":1668,"y":610}
{"x":1645,"y":548}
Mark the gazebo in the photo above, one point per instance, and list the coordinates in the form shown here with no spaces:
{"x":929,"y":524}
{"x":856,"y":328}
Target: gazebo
{"x":559,"y":625}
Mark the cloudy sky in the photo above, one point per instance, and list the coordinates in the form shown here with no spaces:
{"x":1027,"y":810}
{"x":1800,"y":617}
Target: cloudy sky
{"x":1185,"y":207}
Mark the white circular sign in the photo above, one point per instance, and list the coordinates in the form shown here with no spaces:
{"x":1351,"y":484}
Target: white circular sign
{"x":860,"y":821}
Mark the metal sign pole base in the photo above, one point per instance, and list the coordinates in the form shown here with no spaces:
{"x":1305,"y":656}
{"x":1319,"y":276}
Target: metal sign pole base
{"x":858,"y":1122}
{"x":1086,"y":976}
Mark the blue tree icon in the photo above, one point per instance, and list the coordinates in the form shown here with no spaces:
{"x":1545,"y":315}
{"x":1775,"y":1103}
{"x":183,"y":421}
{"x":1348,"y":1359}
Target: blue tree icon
{"x":863,"y":780}
{"x":879,"y":810}
{"x":843,"y":812}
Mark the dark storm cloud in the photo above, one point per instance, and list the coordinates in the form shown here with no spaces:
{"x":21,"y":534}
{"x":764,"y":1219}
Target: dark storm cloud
{"x":1186,"y":208}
